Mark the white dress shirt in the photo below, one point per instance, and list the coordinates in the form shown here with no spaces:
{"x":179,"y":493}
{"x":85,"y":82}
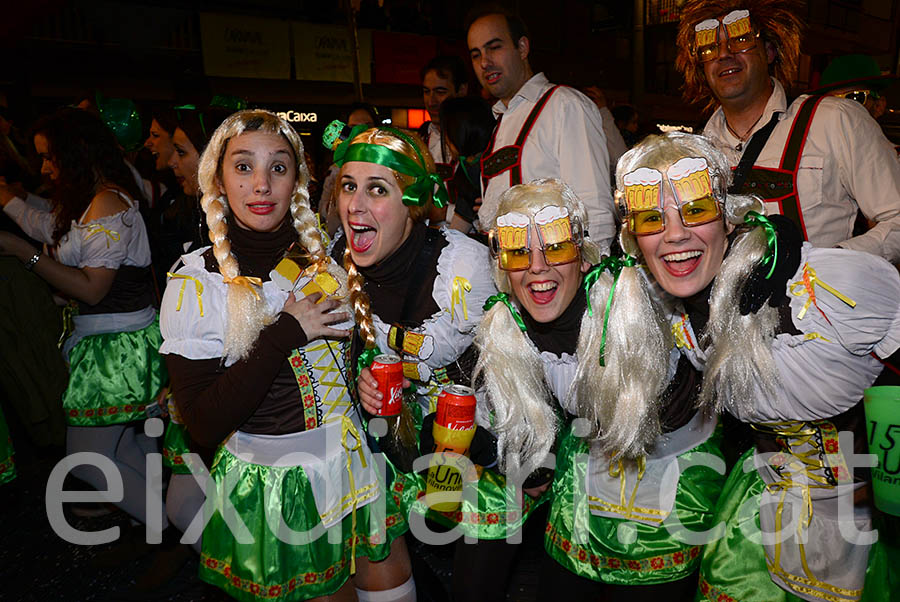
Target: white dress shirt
{"x":566,"y":142}
{"x":847,"y":163}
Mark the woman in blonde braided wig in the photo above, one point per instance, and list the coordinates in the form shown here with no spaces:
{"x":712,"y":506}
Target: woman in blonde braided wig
{"x":253,"y":328}
{"x":246,"y":311}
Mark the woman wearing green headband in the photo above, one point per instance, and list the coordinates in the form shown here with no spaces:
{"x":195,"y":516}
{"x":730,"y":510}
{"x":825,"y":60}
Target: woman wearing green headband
{"x":788,"y":336}
{"x":416,"y":292}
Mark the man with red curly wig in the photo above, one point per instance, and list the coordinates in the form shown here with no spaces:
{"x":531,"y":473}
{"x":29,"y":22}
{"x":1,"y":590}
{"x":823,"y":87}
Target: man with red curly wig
{"x":818,"y":160}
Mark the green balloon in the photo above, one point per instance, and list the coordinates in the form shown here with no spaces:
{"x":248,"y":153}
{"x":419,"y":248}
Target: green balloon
{"x":122,"y":117}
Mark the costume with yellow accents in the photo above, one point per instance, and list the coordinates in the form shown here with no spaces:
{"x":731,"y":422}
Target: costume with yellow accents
{"x":426,"y":300}
{"x":304,"y":484}
{"x":843,"y":311}
{"x":115,"y":370}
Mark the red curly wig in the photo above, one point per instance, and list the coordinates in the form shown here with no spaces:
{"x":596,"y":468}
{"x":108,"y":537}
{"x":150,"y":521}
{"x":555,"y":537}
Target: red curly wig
{"x":777,"y":22}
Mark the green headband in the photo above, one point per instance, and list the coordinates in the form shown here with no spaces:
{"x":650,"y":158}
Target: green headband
{"x":416,"y":193}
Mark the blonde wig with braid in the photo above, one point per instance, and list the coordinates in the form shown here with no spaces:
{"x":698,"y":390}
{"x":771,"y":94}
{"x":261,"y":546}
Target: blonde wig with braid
{"x":738,"y":347}
{"x":247,"y":313}
{"x":509,"y":364}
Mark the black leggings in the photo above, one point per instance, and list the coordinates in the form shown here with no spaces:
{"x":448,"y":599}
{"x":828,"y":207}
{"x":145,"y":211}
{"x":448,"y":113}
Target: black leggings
{"x":557,"y":582}
{"x":481,"y":570}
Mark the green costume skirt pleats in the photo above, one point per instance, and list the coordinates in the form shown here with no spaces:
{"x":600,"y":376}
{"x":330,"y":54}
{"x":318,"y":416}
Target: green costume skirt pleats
{"x":266,"y":567}
{"x":620,"y":551}
{"x":112,"y":377}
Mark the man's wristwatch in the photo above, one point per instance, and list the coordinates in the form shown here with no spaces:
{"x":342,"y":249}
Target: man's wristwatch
{"x":29,"y":265}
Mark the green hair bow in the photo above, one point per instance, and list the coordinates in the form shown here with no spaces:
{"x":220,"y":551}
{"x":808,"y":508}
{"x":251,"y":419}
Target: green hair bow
{"x":418,"y":192}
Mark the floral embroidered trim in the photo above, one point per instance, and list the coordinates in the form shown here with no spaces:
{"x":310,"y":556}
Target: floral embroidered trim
{"x":713,"y":594}
{"x":107,"y":411}
{"x":307,"y":392}
{"x":210,"y":564}
{"x":834,"y":461}
{"x":643,"y":565}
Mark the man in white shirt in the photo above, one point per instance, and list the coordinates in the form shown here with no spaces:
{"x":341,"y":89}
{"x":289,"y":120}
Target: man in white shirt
{"x":824,"y":159}
{"x":543,"y":131}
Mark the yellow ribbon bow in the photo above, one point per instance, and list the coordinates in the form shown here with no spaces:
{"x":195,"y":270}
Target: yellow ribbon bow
{"x":96,"y":228}
{"x":681,"y":334}
{"x":807,"y":286}
{"x":198,"y":289}
{"x":617,"y":469}
{"x":461,"y":286}
{"x":246,"y":281}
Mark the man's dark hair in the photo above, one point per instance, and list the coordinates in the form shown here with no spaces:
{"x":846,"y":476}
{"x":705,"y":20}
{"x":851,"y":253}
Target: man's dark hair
{"x":368,"y":108}
{"x":515,"y":24}
{"x":447,"y":66}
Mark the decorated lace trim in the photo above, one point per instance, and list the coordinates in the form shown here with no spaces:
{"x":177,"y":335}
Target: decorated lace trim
{"x":277,"y":590}
{"x":644,"y":565}
{"x":106,"y":411}
{"x":713,"y":594}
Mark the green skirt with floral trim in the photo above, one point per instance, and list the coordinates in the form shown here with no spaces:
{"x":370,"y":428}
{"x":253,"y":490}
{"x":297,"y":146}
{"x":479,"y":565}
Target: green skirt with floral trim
{"x":494,"y":514}
{"x":733,"y":568}
{"x":269,"y":568}
{"x":112,"y":377}
{"x":648,"y":554}
{"x":175,"y":445}
{"x":487,"y":518}
{"x":7,"y":456}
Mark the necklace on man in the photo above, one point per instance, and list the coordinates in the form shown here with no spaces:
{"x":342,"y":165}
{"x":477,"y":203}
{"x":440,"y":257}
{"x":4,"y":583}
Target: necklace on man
{"x":742,"y":139}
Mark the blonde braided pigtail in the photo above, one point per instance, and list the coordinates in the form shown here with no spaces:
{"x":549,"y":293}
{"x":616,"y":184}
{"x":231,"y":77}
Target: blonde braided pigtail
{"x":359,"y":302}
{"x":246,"y":311}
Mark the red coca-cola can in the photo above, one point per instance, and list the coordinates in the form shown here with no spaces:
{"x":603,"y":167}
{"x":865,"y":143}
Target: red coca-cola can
{"x":388,"y":372}
{"x":456,"y":407}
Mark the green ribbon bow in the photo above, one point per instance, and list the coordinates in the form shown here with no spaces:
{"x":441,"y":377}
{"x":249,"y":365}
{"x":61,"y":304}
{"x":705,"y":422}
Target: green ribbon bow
{"x":614,"y":265}
{"x":504,"y":299}
{"x":416,"y":193}
{"x":754,"y":219}
{"x":366,"y":358}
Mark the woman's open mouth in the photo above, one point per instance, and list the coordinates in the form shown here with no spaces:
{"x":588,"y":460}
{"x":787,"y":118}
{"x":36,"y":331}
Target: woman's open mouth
{"x":361,"y":237}
{"x":543,"y":292}
{"x":682,"y":263}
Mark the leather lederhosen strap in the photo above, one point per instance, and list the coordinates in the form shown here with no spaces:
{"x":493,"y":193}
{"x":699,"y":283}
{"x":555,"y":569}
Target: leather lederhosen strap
{"x":494,"y":163}
{"x":779,"y":184}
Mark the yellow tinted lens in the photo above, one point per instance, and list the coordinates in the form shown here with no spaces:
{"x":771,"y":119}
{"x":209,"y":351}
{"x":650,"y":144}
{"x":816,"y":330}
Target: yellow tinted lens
{"x":514,"y":260}
{"x":707,"y":53}
{"x":742,"y":43}
{"x":560,"y":253}
{"x":646,"y":222}
{"x":700,"y":211}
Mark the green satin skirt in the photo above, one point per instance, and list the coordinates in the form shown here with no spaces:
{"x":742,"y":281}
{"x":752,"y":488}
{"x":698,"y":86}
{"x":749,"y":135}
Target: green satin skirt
{"x":494,"y":514}
{"x":733,"y":568}
{"x":270,"y":568}
{"x":7,"y":456}
{"x":649,"y":554}
{"x":112,"y":377}
{"x":175,"y":446}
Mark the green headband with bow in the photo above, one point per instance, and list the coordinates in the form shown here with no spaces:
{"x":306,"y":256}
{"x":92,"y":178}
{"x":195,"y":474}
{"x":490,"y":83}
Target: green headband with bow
{"x":416,"y":193}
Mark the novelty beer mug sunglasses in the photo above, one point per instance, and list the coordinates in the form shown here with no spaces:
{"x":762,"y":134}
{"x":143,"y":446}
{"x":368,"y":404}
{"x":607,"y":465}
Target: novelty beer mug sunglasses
{"x":739,"y":35}
{"x":560,"y":238}
{"x":692,"y":186}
